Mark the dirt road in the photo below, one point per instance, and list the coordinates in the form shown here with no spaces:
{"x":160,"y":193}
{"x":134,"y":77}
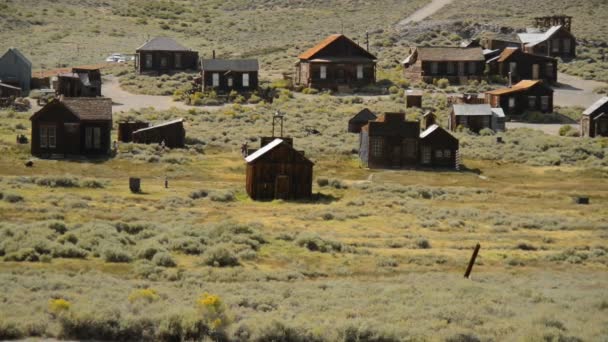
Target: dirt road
{"x":124,"y":101}
{"x":425,"y":11}
{"x":575,"y":91}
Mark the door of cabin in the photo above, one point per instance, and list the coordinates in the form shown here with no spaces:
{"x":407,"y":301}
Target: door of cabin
{"x":281,"y":188}
{"x":72,"y":138}
{"x":535,"y":71}
{"x":340,"y":75}
{"x":396,"y":156}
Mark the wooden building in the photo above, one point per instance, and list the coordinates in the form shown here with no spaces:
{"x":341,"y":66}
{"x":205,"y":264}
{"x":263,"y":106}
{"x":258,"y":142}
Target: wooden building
{"x":458,"y":65}
{"x":336,"y":63}
{"x":476,"y":117}
{"x":523,"y":66}
{"x":7,"y":90}
{"x":360,"y":119}
{"x":278,"y":171}
{"x":16,"y":70}
{"x":557,"y":41}
{"x":428,"y":119}
{"x":413,"y":98}
{"x":225,"y":75}
{"x":126,"y":129}
{"x":499,"y":41}
{"x":70,"y":126}
{"x":527,"y":95}
{"x":438,"y":148}
{"x":164,"y":55}
{"x":170,"y":134}
{"x":80,"y":82}
{"x":594,"y":122}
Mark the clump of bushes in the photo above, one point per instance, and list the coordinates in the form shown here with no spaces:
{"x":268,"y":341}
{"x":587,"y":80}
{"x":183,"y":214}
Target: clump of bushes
{"x":116,"y":255}
{"x":163,"y":259}
{"x":220,"y":256}
{"x":313,"y":242}
{"x":146,"y":295}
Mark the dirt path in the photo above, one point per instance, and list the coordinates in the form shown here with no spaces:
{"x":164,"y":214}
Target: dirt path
{"x":575,"y":91}
{"x":425,"y":11}
{"x":551,"y":129}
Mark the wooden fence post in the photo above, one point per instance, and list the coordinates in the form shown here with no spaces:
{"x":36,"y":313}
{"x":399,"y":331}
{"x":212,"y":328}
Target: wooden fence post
{"x":467,"y":274}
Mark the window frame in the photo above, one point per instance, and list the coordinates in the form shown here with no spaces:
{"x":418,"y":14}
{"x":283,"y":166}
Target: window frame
{"x":323,"y":72}
{"x":544,"y":103}
{"x":246,"y":80}
{"x":434,"y":68}
{"x":215,"y":79}
{"x":178,"y":60}
{"x":511,"y":102}
{"x":532,"y":101}
{"x":148,"y":60}
{"x":360,"y":71}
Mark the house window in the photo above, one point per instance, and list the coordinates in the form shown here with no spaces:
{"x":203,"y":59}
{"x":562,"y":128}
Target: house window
{"x":377,"y":147}
{"x":245,"y":80}
{"x":472,"y":68}
{"x":544,"y":103}
{"x":323,"y":72}
{"x":511,"y":102}
{"x":48,"y":137}
{"x":447,"y":153}
{"x":148,"y":60}
{"x":215,"y":79}
{"x":485,"y":121}
{"x":163,"y":62}
{"x":554,"y":45}
{"x":513,"y":67}
{"x":92,"y":138}
{"x":426,"y":154}
{"x":178,"y":60}
{"x":359,"y":72}
{"x":532,"y":102}
{"x":549,"y":71}
{"x":450,"y":68}
{"x":409,"y":148}
{"x":229,"y":80}
{"x":438,"y":154}
{"x":567,"y":45}
{"x":535,"y":71}
{"x":434,"y":68}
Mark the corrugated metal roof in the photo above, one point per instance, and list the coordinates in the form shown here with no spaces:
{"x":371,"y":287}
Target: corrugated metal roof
{"x":535,"y":38}
{"x":162,"y":44}
{"x":167,"y":123}
{"x":597,"y":105}
{"x":498,"y":112}
{"x":472,"y":109}
{"x":268,"y":147}
{"x":230,"y":64}
{"x":441,"y":54}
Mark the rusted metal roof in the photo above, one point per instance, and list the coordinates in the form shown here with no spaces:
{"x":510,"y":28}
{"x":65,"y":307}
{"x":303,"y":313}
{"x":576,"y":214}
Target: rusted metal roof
{"x":329,"y":41}
{"x":520,"y":86}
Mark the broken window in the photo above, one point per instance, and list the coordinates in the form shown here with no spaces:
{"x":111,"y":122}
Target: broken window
{"x":549,"y":70}
{"x":511,"y":102}
{"x":215,"y":79}
{"x":472,"y":68}
{"x":377,"y":147}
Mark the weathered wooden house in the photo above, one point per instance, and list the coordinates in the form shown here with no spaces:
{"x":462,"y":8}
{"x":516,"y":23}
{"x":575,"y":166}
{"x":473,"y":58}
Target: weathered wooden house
{"x":336,"y":63}
{"x":72,"y":126}
{"x":523,"y":66}
{"x":170,"y":134}
{"x":278,"y":171}
{"x":557,"y":41}
{"x":164,"y":55}
{"x":476,"y":117}
{"x":594,"y":122}
{"x":438,"y":148}
{"x":360,"y":119}
{"x":7,"y":90}
{"x":458,"y":65}
{"x":499,"y":41}
{"x":225,"y":75}
{"x":80,"y":82}
{"x":16,"y":70}
{"x":126,"y":129}
{"x":527,"y":95}
{"x":413,"y":98}
{"x":428,"y":119}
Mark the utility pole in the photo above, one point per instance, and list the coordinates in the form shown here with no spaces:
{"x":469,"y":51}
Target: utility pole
{"x":367,"y":40}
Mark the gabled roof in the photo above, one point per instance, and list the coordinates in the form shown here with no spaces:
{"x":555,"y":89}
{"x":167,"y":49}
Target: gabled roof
{"x":428,"y":131}
{"x":476,"y":110}
{"x":597,"y":105}
{"x":332,"y":39}
{"x":520,"y":86}
{"x":4,"y":85}
{"x":441,"y":54}
{"x":271,"y":146}
{"x":533,"y":38}
{"x":244,"y":65}
{"x":162,"y":44}
{"x":510,"y":51}
{"x":363,"y":116}
{"x":167,"y":123}
{"x":84,"y":108}
{"x":19,"y":55}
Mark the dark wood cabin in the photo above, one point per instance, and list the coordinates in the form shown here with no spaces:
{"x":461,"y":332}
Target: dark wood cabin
{"x":390,"y":142}
{"x":126,"y":129}
{"x":458,"y":65}
{"x":171,"y":133}
{"x":278,"y":171}
{"x":164,"y":55}
{"x":70,"y":126}
{"x":524,"y":66}
{"x":225,"y":75}
{"x":476,"y":117}
{"x":498,"y":41}
{"x":413,"y":98}
{"x":80,"y":82}
{"x":7,"y":90}
{"x":438,"y":148}
{"x":527,"y":95}
{"x":594,"y":122}
{"x":336,"y":63}
{"x":16,"y":70}
{"x":557,"y":41}
{"x":428,"y":119}
{"x":360,"y":119}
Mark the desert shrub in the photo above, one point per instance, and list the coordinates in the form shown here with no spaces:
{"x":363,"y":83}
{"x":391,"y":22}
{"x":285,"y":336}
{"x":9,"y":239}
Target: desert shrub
{"x":322,"y":182}
{"x":58,"y":182}
{"x":443,"y":83}
{"x":58,"y":227}
{"x":526,"y":246}
{"x":198,"y":194}
{"x":279,"y":331}
{"x":92,"y":184}
{"x":130,"y":228}
{"x":388,"y":262}
{"x":310,"y":91}
{"x":163,"y":259}
{"x":214,"y":312}
{"x":10,"y":331}
{"x":186,"y":245}
{"x":222,"y":196}
{"x":148,"y":252}
{"x":146,"y":295}
{"x":69,"y":251}
{"x":423,"y":243}
{"x":116,"y":255}
{"x":24,"y":254}
{"x":486,"y":132}
{"x":315,"y":243}
{"x":12,"y":198}
{"x":463,"y":338}
{"x":59,"y":306}
{"x":220,"y":256}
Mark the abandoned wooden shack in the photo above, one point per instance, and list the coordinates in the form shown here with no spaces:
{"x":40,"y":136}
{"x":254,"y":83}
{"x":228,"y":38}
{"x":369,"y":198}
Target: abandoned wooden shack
{"x":69,"y":126}
{"x":557,"y":41}
{"x":360,"y":119}
{"x":520,"y":65}
{"x":413,"y":98}
{"x":498,"y":41}
{"x":336,"y":63}
{"x":7,"y":90}
{"x":428,"y":119}
{"x":476,"y":117}
{"x":438,"y":148}
{"x":126,"y":129}
{"x":594,"y":122}
{"x":278,"y":171}
{"x":80,"y":82}
{"x":225,"y":75}
{"x":164,"y":55}
{"x":16,"y":70}
{"x":525,"y":96}
{"x":170,"y":134}
{"x":457,"y":65}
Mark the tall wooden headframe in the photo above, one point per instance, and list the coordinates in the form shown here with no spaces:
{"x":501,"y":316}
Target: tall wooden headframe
{"x":277,"y":117}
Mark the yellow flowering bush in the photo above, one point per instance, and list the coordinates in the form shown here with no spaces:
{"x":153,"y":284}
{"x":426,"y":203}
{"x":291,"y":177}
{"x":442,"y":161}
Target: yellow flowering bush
{"x":58,"y":306}
{"x":213,"y":311}
{"x":147,"y":295}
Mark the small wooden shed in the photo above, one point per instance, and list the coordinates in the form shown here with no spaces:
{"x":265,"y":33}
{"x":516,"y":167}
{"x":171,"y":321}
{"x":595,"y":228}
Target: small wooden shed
{"x":360,"y":119}
{"x":164,"y":55}
{"x":438,"y":148}
{"x":594,"y":121}
{"x":476,"y":117}
{"x":413,"y":98}
{"x":171,"y":133}
{"x":126,"y":129}
{"x":16,"y":70}
{"x":225,"y":75}
{"x":278,"y":171}
{"x":526,"y":95}
{"x":80,"y":82}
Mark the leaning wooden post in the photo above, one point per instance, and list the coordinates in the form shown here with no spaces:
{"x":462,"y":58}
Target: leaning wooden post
{"x":467,"y":274}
